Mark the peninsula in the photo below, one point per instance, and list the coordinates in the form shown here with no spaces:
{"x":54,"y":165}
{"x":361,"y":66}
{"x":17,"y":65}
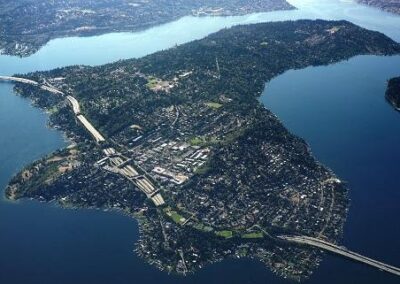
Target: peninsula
{"x":392,"y":6}
{"x":179,"y":141}
{"x":393,"y":92}
{"x":27,"y":25}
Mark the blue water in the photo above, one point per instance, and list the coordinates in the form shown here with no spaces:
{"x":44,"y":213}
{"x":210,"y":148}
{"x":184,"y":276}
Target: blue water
{"x":355,"y":134}
{"x":340,"y":110}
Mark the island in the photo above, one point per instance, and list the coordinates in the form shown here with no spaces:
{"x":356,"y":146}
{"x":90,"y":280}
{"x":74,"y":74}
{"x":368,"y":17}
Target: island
{"x":392,"y":6}
{"x":393,"y":92}
{"x":27,"y":25}
{"x":179,"y":141}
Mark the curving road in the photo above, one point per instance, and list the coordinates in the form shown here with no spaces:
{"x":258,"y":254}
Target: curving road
{"x":74,"y":103}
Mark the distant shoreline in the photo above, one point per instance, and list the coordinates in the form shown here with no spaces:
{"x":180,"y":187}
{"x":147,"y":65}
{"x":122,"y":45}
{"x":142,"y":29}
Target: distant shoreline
{"x":391,"y":6}
{"x":26,"y":36}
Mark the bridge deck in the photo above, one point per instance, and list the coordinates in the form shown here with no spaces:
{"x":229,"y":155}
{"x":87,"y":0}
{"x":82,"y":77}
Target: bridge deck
{"x":20,"y":80}
{"x":304,"y":240}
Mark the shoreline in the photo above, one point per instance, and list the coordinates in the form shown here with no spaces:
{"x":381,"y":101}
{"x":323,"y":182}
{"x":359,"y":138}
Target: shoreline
{"x":99,"y":31}
{"x":300,"y":141}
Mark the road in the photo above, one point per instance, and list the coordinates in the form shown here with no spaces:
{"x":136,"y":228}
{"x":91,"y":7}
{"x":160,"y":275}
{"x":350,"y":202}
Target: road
{"x":318,"y":243}
{"x":146,"y":186}
{"x":75,"y":105}
{"x":20,"y":80}
{"x":96,"y":134}
{"x":126,"y":170}
{"x":31,"y":82}
{"x":51,"y":90}
{"x":121,"y":166}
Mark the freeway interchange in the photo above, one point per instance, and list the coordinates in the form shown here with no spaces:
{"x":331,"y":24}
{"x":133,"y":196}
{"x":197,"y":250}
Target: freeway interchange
{"x":119,"y":164}
{"x":116,"y":163}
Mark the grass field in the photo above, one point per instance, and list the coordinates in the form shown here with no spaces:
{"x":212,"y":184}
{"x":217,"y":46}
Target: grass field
{"x":152,"y":82}
{"x":255,"y":235}
{"x":179,"y":219}
{"x":203,"y":141}
{"x":224,"y":234}
{"x":214,"y":105}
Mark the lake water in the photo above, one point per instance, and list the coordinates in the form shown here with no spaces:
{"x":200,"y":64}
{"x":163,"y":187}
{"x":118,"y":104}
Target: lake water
{"x":355,"y":133}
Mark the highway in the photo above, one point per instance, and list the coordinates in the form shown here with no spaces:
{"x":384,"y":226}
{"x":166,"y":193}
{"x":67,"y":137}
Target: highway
{"x":20,"y":80}
{"x":126,"y":170}
{"x":324,"y":245}
{"x":96,"y":135}
{"x":51,"y":90}
{"x":75,"y":105}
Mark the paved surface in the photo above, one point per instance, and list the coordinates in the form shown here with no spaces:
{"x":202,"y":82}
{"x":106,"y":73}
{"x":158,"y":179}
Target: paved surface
{"x":341,"y":251}
{"x":121,"y":164}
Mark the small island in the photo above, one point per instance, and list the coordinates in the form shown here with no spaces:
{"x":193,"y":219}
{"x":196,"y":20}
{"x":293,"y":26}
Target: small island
{"x":179,"y":141}
{"x":392,"y":6}
{"x":27,"y":25}
{"x":393,"y":92}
